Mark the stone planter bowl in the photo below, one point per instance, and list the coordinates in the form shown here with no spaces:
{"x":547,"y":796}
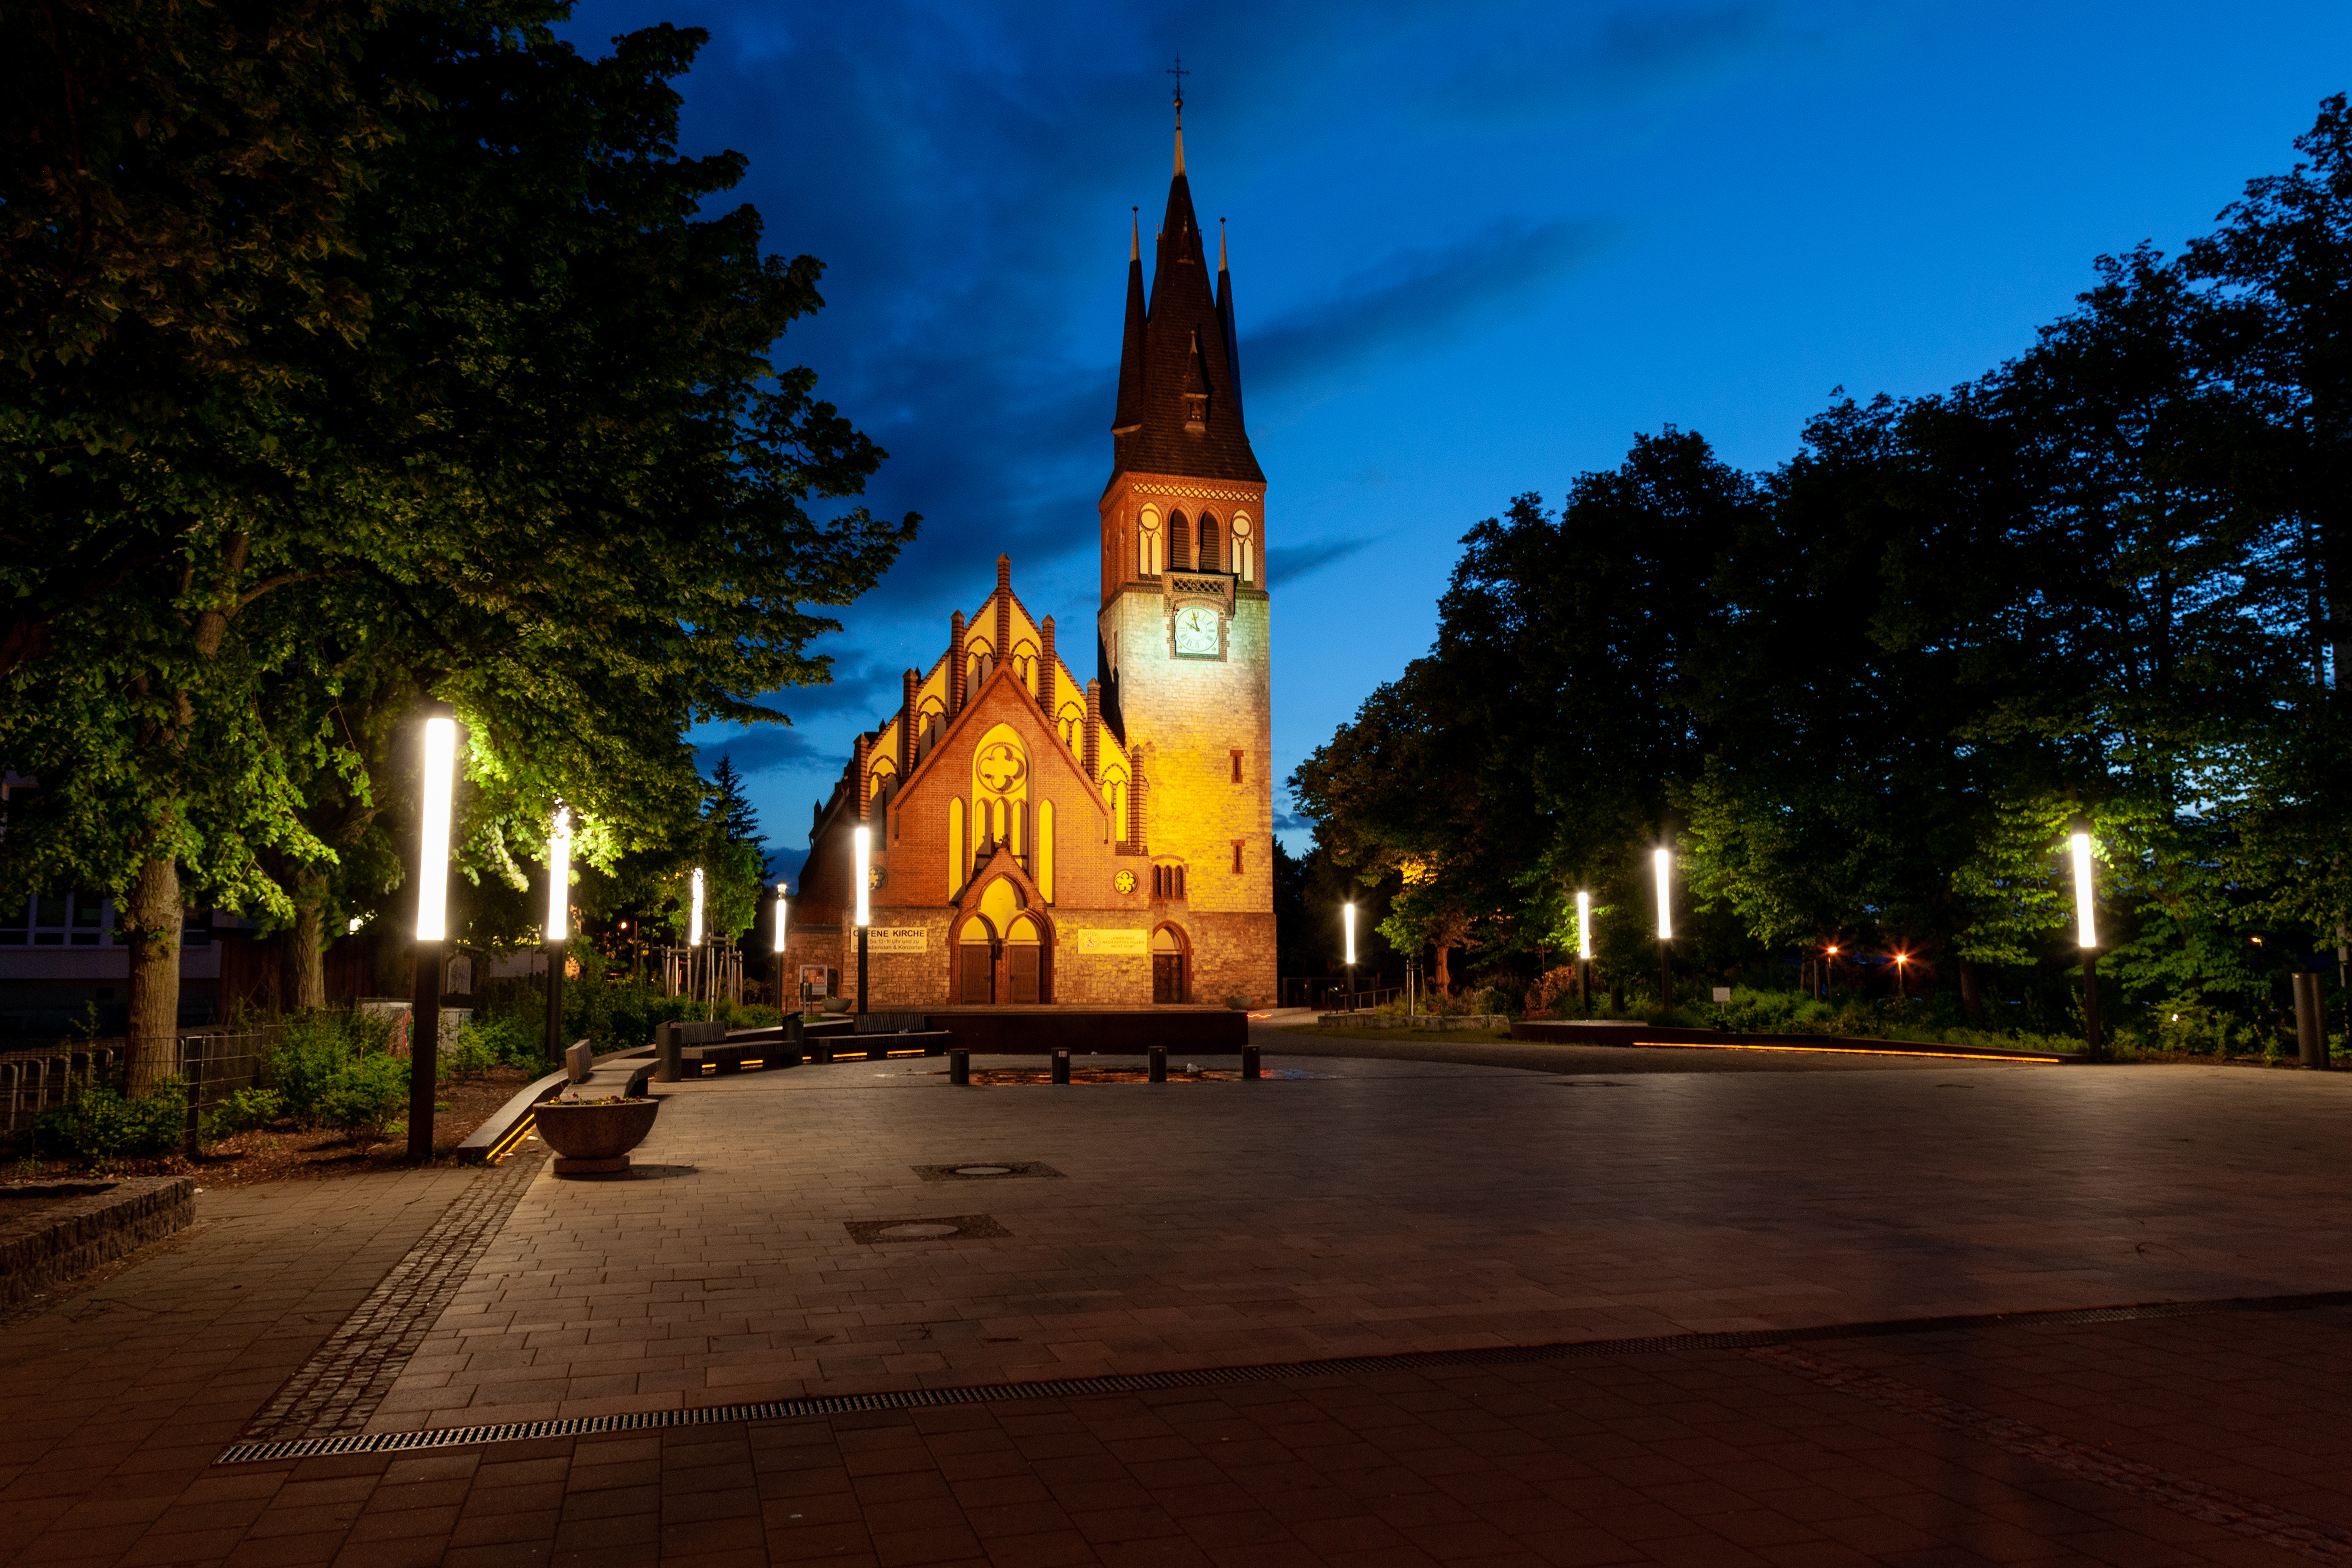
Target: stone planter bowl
{"x":591,"y":1137}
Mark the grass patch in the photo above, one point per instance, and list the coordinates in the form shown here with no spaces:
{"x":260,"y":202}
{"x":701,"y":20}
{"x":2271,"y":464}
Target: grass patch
{"x":1347,"y":1032}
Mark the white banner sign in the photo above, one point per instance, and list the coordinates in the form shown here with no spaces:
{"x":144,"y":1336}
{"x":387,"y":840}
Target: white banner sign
{"x":1114,"y":944}
{"x":898,"y":938}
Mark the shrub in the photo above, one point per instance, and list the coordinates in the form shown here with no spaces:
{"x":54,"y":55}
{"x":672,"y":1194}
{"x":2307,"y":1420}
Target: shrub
{"x":98,"y":1123}
{"x":487,"y":1043}
{"x":364,"y":1097}
{"x":246,"y":1109}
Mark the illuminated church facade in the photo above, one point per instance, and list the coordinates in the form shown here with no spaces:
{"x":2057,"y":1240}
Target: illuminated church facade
{"x":1041,"y":840}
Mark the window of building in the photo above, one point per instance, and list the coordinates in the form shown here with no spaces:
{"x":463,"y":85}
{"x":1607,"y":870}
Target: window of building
{"x":1213,"y":551}
{"x":1167,"y":881}
{"x":1244,"y":562}
{"x":1147,"y":543}
{"x":1180,"y":543}
{"x":1238,"y":767}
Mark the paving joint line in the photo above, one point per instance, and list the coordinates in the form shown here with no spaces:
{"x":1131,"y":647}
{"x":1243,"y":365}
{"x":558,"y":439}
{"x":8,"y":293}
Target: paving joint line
{"x":2233,"y":1511}
{"x":259,"y":1447}
{"x":339,"y":1389}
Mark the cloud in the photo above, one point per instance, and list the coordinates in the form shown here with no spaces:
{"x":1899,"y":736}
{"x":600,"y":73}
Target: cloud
{"x":1417,"y":297}
{"x":1288,"y":563}
{"x":762,"y":749}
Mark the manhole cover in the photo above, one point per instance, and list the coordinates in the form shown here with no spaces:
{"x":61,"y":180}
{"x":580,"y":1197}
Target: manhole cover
{"x":986,"y":1171}
{"x":924,"y":1227}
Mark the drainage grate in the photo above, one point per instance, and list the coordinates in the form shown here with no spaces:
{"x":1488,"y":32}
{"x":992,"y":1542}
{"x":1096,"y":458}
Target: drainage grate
{"x":1211,"y":1377}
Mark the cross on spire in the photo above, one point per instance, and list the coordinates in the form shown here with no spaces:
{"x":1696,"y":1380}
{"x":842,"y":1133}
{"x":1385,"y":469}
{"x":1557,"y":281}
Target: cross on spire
{"x":1179,"y":73}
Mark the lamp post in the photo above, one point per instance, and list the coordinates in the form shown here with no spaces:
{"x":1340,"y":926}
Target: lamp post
{"x":1584,"y":952}
{"x":1900,"y":959}
{"x":784,"y":924}
{"x":432,"y":923}
{"x":864,"y":842}
{"x":1829,"y":959}
{"x":1348,"y":925}
{"x":693,"y":938}
{"x":558,"y":934}
{"x":1662,"y":860}
{"x":2087,"y":936}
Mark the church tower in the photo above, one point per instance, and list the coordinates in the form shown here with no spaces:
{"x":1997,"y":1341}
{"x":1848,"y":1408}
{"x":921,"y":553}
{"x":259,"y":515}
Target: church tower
{"x":1183,"y":630}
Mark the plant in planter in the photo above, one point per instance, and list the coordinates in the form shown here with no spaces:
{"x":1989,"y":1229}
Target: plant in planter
{"x":593,"y":1137}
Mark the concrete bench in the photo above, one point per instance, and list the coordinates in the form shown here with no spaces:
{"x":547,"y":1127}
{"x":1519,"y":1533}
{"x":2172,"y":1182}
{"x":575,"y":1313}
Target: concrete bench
{"x":671,"y":1039}
{"x":880,"y":1047}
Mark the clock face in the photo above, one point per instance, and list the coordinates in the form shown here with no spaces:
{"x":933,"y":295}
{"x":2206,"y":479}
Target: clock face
{"x":1196,"y":631}
{"x":1124,"y":881}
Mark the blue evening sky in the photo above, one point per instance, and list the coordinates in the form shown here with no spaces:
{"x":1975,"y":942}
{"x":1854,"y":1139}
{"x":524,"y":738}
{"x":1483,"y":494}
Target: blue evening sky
{"x":1476,"y":247}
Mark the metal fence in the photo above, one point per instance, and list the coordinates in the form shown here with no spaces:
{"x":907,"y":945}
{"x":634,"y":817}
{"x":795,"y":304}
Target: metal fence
{"x":1327,"y":995}
{"x":214,"y":1063}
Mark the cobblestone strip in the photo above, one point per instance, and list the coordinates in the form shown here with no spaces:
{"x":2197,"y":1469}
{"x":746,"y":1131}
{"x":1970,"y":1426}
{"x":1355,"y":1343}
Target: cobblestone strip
{"x":2215,"y":1505}
{"x":337,"y":1390}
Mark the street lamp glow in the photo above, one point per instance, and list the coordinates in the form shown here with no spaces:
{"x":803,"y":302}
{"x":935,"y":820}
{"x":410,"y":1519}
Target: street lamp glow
{"x":1348,"y":924}
{"x":1584,"y":926}
{"x":864,"y":839}
{"x":1664,"y":861}
{"x":2086,"y":927}
{"x":694,"y":920}
{"x":559,"y":875}
{"x":783,"y":914}
{"x":433,"y":857}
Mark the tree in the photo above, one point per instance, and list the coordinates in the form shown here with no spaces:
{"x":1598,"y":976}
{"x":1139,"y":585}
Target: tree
{"x":554,"y":480}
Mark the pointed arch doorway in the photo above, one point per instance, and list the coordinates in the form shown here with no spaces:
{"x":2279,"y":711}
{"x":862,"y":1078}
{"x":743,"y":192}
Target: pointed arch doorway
{"x":1171,"y":965}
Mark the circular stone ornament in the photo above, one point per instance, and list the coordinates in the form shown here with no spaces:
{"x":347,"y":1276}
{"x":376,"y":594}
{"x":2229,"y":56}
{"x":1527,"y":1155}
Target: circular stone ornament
{"x":1124,"y":881}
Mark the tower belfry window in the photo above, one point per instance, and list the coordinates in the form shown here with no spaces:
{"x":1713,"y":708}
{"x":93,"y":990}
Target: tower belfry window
{"x":1180,"y":543}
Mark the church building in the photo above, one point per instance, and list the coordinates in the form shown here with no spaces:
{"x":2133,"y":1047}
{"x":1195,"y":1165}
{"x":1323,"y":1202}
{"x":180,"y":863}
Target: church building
{"x":1037,"y":840}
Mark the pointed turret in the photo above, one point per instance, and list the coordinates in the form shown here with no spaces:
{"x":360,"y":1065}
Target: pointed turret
{"x":1225,"y":324}
{"x":1130,"y":414}
{"x":1185,"y":419}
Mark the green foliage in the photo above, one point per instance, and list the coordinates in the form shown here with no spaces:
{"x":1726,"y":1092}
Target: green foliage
{"x":241,"y":1111}
{"x":492,"y":1042}
{"x":98,"y":1123}
{"x":364,"y":1097}
{"x":1862,"y":697}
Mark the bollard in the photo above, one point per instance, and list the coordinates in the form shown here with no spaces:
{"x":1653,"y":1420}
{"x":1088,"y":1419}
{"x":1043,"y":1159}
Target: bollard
{"x":958,"y":1067}
{"x":793,"y":1030}
{"x":665,"y":1057}
{"x":1249,"y":1061}
{"x":1159,"y":1064}
{"x":1061,"y":1067}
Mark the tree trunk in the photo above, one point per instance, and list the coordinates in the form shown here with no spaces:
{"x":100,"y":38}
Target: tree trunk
{"x":152,"y":927}
{"x":1972,"y":993}
{"x":1444,"y":979}
{"x":309,"y":936}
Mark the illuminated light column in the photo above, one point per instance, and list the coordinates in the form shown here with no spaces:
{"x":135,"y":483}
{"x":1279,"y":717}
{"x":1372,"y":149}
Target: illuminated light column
{"x":863,"y":843}
{"x":434,"y":785}
{"x":1827,"y":964}
{"x":694,"y":939}
{"x":1662,"y":860}
{"x":1348,"y":926}
{"x":1585,"y":951}
{"x":2086,"y":937}
{"x":557,"y":937}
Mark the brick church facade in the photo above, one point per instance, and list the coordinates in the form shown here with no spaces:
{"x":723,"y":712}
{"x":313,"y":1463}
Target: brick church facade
{"x":1037,"y":840}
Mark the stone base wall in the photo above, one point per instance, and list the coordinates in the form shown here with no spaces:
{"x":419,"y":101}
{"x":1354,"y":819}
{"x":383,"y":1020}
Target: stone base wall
{"x":1232,"y":955}
{"x":59,"y":1240}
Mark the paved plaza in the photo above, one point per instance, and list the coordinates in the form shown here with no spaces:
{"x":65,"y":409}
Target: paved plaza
{"x":1729,"y":1259}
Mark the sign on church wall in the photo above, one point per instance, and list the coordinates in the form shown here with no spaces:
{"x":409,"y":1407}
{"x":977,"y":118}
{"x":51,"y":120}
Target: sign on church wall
{"x":898,"y":938}
{"x":1115,"y":943}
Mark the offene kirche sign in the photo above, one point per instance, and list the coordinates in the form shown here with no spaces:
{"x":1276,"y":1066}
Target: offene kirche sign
{"x":898,"y":938}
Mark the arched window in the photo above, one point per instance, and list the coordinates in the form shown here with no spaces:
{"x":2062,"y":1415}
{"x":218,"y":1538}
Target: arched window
{"x":1180,"y":543}
{"x":1213,"y":551}
{"x":1147,"y":557}
{"x":1114,"y":791}
{"x":1244,"y":560}
{"x":1069,"y":721}
{"x":1025,"y":665}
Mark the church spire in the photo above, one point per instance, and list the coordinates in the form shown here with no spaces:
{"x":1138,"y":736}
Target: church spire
{"x":1177,"y":414}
